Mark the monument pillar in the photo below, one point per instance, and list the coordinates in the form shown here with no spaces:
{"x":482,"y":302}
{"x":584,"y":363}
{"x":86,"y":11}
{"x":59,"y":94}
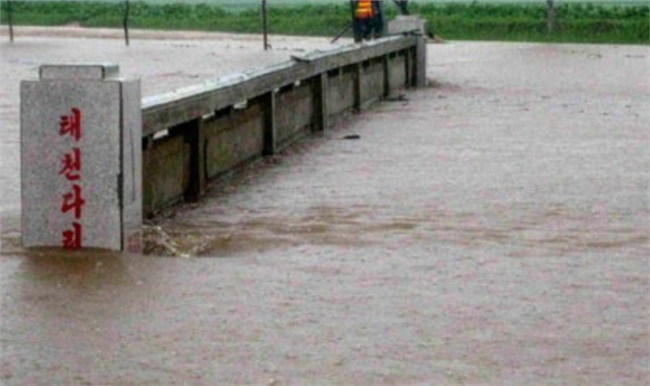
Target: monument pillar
{"x":81,"y":159}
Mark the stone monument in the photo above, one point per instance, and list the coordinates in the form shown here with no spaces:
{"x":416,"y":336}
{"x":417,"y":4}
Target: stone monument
{"x":81,"y":159}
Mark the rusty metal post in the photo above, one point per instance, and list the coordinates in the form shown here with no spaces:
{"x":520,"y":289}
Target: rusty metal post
{"x":550,"y":17}
{"x":11,"y":23}
{"x":127,"y":8}
{"x":265,"y":24}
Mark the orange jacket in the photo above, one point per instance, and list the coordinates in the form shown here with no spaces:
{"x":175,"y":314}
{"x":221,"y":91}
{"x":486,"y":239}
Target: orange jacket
{"x":365,"y":10}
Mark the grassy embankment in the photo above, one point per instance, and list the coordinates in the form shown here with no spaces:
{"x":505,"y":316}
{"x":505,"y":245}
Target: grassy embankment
{"x":577,"y":22}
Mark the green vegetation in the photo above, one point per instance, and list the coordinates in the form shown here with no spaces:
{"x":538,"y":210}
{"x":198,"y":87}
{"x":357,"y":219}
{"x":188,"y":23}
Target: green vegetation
{"x":577,"y":22}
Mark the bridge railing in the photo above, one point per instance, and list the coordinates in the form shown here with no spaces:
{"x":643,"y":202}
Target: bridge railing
{"x":203,"y":132}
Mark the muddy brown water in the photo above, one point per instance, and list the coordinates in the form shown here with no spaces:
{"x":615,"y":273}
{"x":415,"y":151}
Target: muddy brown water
{"x":492,"y":229}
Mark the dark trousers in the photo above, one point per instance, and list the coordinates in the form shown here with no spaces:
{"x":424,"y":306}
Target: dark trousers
{"x":366,"y":28}
{"x":371,"y":27}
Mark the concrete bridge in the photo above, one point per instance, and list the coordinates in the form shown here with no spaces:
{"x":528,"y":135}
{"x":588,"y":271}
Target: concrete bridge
{"x":189,"y":136}
{"x":214,"y":129}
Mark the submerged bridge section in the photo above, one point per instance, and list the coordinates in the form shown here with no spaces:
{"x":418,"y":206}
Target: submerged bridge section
{"x":96,"y":158}
{"x":200,"y":133}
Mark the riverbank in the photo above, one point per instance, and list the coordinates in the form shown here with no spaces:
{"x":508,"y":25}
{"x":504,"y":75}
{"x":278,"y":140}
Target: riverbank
{"x":587,"y":22}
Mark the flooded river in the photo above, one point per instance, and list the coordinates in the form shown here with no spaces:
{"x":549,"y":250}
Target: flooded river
{"x":491,"y":229}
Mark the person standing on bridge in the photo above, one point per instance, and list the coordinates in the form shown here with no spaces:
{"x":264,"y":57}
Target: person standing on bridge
{"x":368,"y":18}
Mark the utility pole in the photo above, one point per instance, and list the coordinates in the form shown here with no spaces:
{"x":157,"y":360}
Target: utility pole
{"x":550,"y":16}
{"x":127,"y":9}
{"x":265,"y":25}
{"x":11,"y":23}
